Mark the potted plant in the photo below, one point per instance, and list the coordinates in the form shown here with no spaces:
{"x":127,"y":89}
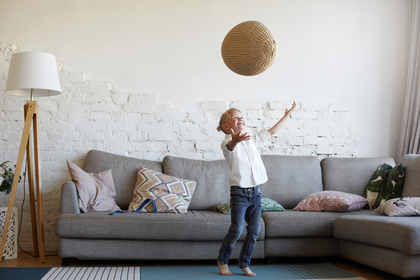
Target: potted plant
{"x":6,"y":177}
{"x":6,"y":182}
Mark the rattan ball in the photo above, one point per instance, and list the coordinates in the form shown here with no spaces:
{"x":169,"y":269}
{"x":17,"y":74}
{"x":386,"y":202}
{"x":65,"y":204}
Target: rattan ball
{"x":249,"y":48}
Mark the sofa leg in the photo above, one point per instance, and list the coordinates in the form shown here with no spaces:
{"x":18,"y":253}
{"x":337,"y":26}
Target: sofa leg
{"x":270,"y":260}
{"x":66,"y":261}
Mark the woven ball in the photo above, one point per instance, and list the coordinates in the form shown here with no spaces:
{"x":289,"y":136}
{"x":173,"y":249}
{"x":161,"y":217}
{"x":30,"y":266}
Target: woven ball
{"x":249,"y":48}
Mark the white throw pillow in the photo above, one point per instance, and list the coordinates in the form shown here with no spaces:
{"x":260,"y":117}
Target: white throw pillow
{"x":403,"y":206}
{"x":96,"y":192}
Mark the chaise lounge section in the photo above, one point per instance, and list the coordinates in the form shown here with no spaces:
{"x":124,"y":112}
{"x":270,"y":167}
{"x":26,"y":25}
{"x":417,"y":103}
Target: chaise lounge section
{"x":391,"y":244}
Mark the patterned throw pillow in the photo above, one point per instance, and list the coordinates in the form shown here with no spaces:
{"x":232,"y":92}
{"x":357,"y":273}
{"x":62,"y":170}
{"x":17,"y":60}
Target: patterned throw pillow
{"x":403,"y":206}
{"x":386,"y":183}
{"x":267,"y":204}
{"x":331,"y":201}
{"x":171,"y":194}
{"x":270,"y":205}
{"x":223,"y":207}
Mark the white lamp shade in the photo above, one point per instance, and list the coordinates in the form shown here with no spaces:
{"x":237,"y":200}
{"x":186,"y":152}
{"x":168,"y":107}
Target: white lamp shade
{"x":33,"y":71}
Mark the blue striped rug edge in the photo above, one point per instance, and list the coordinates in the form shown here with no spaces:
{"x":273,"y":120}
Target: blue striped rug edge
{"x":134,"y":273}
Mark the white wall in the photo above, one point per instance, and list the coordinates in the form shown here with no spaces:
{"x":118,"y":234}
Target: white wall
{"x":350,"y":51}
{"x":153,"y":69}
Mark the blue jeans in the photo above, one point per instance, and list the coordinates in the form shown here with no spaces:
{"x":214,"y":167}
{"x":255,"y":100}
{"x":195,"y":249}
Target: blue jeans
{"x":245,"y":205}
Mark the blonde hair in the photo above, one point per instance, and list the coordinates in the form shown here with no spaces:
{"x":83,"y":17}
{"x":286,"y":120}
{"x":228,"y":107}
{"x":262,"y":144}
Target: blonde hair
{"x":223,"y":119}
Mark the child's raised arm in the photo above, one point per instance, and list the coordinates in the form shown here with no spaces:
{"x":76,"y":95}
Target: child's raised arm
{"x":281,"y":122}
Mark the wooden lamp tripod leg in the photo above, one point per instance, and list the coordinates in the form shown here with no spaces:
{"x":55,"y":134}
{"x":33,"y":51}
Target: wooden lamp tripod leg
{"x":31,"y":187}
{"x":39,"y":203}
{"x":31,"y":112}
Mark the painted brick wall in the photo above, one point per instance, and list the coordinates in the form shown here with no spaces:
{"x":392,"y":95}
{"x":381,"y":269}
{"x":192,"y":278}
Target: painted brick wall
{"x":92,"y":115}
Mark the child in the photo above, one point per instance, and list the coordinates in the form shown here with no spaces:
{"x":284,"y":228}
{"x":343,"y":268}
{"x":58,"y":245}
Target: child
{"x":247,"y":173}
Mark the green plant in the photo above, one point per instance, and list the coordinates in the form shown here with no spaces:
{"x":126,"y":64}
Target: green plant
{"x":6,"y":177}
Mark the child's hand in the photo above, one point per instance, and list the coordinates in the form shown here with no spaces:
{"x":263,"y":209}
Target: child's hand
{"x":239,"y":136}
{"x":236,"y":138}
{"x":288,"y":112}
{"x":280,"y":123}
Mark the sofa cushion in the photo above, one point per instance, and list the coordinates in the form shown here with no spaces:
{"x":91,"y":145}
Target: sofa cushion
{"x":124,"y":170}
{"x":411,"y":165}
{"x":170,"y":194}
{"x":212,"y":179}
{"x":287,"y":184}
{"x":193,"y":226}
{"x":331,"y":201}
{"x":296,"y":224}
{"x":398,"y":233}
{"x":291,"y":178}
{"x":350,"y":174}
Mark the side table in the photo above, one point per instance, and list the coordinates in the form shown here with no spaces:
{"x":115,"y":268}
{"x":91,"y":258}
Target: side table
{"x":10,"y":250}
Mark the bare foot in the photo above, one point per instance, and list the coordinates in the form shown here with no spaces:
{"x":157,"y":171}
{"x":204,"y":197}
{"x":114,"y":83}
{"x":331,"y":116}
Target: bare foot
{"x":248,"y":271}
{"x":224,"y":269}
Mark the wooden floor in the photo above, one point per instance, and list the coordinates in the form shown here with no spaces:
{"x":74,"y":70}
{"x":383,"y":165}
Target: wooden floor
{"x":53,"y":260}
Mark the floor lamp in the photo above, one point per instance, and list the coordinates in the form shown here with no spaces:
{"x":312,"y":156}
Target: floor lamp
{"x":31,"y":74}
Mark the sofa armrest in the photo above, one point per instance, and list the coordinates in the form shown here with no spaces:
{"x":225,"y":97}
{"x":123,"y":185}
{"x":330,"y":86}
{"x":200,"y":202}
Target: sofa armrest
{"x":69,"y":200}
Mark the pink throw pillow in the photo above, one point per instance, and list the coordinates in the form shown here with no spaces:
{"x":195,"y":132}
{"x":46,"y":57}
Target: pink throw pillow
{"x":331,"y":201}
{"x":96,"y":192}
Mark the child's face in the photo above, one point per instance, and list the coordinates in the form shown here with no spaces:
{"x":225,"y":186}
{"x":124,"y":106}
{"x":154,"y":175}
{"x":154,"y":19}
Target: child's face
{"x":236,"y":122}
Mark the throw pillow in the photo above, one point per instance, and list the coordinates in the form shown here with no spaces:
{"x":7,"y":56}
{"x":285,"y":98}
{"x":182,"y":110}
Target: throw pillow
{"x":171,"y":194}
{"x":223,"y":207}
{"x":403,"y":206}
{"x":270,"y":205}
{"x":386,"y":183}
{"x":267,"y":204}
{"x":96,"y":192}
{"x":331,"y":201}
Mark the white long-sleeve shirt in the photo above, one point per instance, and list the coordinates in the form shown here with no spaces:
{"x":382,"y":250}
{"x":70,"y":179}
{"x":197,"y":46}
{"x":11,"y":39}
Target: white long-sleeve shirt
{"x":246,"y":166}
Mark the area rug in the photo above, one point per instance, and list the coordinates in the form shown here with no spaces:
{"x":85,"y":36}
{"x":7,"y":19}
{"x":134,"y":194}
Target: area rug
{"x":266,"y":272}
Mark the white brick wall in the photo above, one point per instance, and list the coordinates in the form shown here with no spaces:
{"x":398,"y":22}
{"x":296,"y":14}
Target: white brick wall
{"x":91,"y":115}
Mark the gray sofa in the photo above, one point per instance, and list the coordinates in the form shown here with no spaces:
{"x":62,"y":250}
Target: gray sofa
{"x":391,"y":244}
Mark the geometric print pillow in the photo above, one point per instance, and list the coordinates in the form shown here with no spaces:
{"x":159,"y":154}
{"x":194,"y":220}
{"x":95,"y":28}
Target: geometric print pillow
{"x":171,"y":195}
